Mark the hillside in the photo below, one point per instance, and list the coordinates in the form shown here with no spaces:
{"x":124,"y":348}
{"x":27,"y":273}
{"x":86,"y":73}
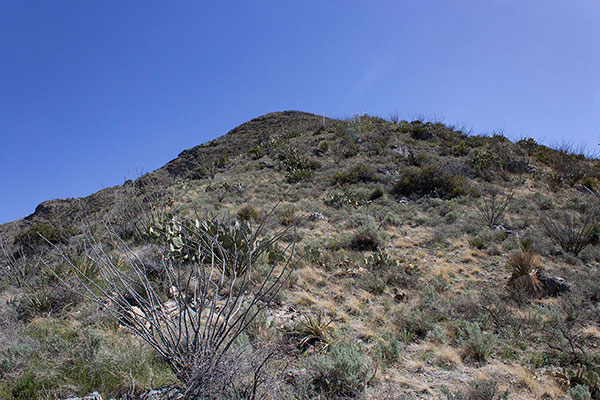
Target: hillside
{"x":401,"y":260}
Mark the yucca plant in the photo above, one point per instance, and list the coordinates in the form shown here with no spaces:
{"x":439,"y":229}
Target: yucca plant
{"x":313,"y":330}
{"x":525,"y":274}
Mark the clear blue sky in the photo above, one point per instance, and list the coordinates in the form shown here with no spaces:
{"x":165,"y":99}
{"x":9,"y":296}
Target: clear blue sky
{"x":94,"y":92}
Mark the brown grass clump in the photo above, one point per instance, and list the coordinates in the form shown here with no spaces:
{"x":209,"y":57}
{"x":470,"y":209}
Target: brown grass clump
{"x":524,"y":269}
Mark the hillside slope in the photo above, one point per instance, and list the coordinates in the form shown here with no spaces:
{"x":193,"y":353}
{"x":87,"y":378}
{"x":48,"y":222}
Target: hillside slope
{"x":426,"y":264}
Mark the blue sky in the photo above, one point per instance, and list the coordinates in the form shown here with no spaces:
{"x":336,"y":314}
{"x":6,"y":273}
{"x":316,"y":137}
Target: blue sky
{"x":92,"y":93}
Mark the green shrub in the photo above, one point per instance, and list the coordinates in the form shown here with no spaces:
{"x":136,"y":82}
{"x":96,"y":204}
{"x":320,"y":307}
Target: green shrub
{"x":343,"y":372}
{"x":199,"y":173}
{"x":38,"y":235}
{"x":589,"y":182}
{"x":298,"y":166}
{"x":373,"y":285}
{"x":356,"y":174}
{"x":338,"y":200}
{"x":376,"y":194}
{"x":380,"y":260}
{"x":429,"y":180}
{"x":256,"y":152}
{"x":388,"y":348}
{"x":580,"y":392}
{"x":460,"y":149}
{"x":477,"y":345}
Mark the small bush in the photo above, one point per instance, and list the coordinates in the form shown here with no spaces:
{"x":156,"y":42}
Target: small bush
{"x":429,"y":180}
{"x":356,"y":174}
{"x":376,"y":194}
{"x":580,"y":392}
{"x":524,"y":269}
{"x":388,"y":348}
{"x":589,"y":182}
{"x":364,"y":240}
{"x":312,"y":330}
{"x":343,"y":372}
{"x":339,"y":200}
{"x":573,"y":231}
{"x":256,"y":152}
{"x":38,"y":235}
{"x":477,"y":345}
{"x":492,"y":208}
{"x":247,"y":214}
{"x":380,"y":261}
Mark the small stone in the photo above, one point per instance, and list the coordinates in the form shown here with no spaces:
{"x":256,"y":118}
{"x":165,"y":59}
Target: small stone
{"x":316,"y":216}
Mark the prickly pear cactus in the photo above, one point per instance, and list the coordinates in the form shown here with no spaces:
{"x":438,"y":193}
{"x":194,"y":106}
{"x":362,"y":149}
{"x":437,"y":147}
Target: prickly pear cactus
{"x":227,"y":244}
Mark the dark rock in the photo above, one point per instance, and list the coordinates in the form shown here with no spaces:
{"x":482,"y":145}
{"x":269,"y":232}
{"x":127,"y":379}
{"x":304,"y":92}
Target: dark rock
{"x":555,"y":285}
{"x":519,"y":167}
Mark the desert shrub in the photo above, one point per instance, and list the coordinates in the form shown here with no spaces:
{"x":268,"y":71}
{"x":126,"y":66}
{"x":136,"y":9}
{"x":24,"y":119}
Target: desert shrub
{"x":256,"y":152}
{"x":199,"y":340}
{"x":460,"y":149}
{"x":356,"y":174}
{"x":566,"y":167}
{"x":562,"y":326}
{"x":429,"y":180}
{"x":373,"y":284}
{"x":380,"y":261}
{"x":589,"y":182}
{"x":289,"y":215}
{"x":365,"y":239}
{"x":247,"y":214}
{"x":416,"y":321}
{"x":291,"y":158}
{"x":339,"y":200}
{"x":580,"y":392}
{"x":524,"y":273}
{"x":479,"y":390}
{"x":199,"y":173}
{"x":451,"y":217}
{"x":493,"y":206}
{"x":528,"y":144}
{"x":484,"y":162}
{"x":298,"y":166}
{"x":583,"y":382}
{"x":477,"y":345}
{"x":388,"y":348}
{"x":478,"y":242}
{"x":376,"y":194}
{"x":313,"y":330}
{"x":298,"y":175}
{"x":39,"y":235}
{"x":342,"y":372}
{"x":573,"y":231}
{"x":423,"y":317}
{"x":47,"y":299}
